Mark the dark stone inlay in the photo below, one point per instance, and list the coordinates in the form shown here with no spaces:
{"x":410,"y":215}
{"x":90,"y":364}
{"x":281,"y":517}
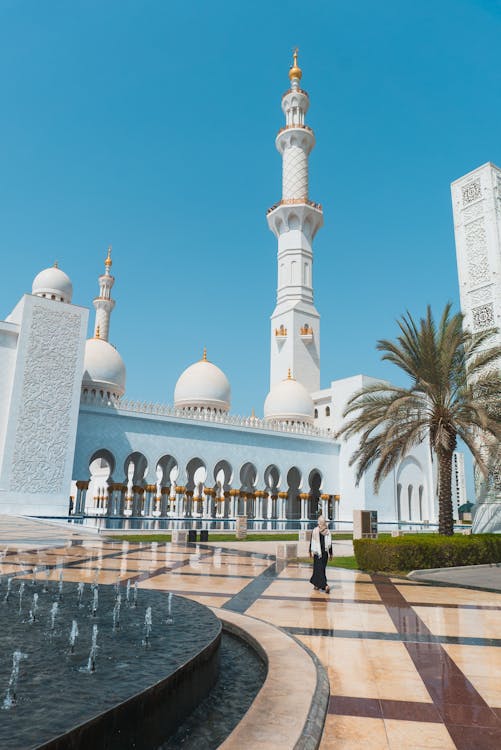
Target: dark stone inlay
{"x":248,"y":595}
{"x":376,"y":708}
{"x":404,"y":637}
{"x":457,"y":700}
{"x":350,"y":600}
{"x":475,"y":738}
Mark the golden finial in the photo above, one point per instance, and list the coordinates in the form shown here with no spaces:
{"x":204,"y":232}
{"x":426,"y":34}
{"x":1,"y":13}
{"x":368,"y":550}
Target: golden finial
{"x":295,"y":71}
{"x":55,"y":264}
{"x":204,"y":358}
{"x":98,"y":333}
{"x":289,"y":375}
{"x":253,"y":413}
{"x":108,"y":262}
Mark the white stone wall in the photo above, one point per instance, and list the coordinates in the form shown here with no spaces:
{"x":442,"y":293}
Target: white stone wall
{"x":121,"y":434}
{"x":9,"y":333}
{"x":43,"y":409}
{"x":476,"y":201}
{"x":416,"y":470}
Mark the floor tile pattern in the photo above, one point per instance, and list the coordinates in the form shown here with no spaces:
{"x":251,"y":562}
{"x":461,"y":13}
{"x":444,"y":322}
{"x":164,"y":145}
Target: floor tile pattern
{"x":410,"y":665}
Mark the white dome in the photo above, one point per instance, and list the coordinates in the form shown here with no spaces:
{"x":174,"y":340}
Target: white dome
{"x":104,"y":368}
{"x":203,"y":385}
{"x":288,"y":401}
{"x":54,"y":284}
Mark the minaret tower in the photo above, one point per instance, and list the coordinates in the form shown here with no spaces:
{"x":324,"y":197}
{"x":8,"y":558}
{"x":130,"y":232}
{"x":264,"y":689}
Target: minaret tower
{"x":295,"y":323}
{"x":104,"y":304}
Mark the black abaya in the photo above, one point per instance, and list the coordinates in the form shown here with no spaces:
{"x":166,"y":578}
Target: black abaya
{"x":319,"y":579}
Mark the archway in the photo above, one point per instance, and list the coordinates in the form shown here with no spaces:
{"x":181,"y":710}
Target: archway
{"x":248,"y":479}
{"x":135,"y":468}
{"x":314,"y":482}
{"x":101,"y":468}
{"x":293,"y":487}
{"x":167,"y":472}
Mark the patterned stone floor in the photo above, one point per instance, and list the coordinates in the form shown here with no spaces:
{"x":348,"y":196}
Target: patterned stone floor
{"x":410,"y":665}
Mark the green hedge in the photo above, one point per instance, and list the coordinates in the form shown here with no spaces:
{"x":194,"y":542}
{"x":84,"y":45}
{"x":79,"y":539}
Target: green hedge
{"x":417,"y":551}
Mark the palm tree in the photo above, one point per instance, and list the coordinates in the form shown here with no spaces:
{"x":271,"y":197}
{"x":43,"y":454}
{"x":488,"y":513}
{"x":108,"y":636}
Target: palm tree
{"x":454,"y":392}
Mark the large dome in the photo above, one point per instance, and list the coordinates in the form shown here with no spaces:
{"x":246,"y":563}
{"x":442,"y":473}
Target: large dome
{"x":54,"y":284}
{"x":289,"y":401}
{"x":203,"y":385}
{"x":104,"y":368}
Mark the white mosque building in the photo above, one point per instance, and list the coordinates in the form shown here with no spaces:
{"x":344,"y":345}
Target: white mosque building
{"x":65,"y":421}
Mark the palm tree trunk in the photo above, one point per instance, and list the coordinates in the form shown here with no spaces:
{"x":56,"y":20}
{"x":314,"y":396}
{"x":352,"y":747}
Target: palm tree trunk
{"x":445,"y":519}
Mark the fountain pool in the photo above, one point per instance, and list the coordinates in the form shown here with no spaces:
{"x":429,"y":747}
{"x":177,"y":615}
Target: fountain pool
{"x":100,"y":671}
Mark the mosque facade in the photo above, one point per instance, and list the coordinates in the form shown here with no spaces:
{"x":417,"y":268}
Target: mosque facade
{"x":66,"y":425}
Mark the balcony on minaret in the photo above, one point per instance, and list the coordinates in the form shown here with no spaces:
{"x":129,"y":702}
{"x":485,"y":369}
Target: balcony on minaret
{"x":306,"y":333}
{"x":281,"y":332}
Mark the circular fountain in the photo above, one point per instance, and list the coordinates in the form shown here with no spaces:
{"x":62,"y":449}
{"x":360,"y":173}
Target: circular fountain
{"x":88,"y":665}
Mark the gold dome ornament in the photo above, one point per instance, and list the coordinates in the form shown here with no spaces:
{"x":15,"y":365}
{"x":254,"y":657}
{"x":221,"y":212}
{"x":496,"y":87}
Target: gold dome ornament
{"x":295,"y":71}
{"x":108,"y":262}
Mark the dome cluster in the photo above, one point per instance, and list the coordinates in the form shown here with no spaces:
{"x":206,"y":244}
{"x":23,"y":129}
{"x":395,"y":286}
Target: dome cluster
{"x":202,"y":386}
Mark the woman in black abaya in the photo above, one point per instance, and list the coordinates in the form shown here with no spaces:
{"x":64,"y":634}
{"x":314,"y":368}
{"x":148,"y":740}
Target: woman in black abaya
{"x":321,"y":550}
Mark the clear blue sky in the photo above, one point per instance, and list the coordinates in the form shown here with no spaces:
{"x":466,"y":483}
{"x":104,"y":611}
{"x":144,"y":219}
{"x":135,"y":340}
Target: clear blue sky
{"x":150,"y":125}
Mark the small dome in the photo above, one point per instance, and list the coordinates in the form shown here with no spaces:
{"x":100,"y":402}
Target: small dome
{"x":104,"y":368}
{"x":289,"y":401}
{"x":54,"y":284}
{"x":203,"y":385}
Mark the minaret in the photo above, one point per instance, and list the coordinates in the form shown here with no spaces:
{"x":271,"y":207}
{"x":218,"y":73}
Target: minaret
{"x":104,"y":304}
{"x":295,"y":323}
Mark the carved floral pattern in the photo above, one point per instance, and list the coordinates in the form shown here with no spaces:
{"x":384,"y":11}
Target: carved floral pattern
{"x":42,"y":434}
{"x":483,"y":317}
{"x":476,"y":252}
{"x":471,"y":192}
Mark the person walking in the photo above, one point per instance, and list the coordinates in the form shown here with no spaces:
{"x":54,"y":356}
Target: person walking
{"x":321,"y":550}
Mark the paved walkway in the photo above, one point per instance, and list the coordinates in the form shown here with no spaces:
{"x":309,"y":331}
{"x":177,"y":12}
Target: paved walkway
{"x":480,"y":576}
{"x":410,"y":665}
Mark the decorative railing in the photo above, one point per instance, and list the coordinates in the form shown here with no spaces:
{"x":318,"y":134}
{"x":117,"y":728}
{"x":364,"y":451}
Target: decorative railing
{"x":295,"y":91}
{"x":293,"y":201}
{"x":295,"y":127}
{"x":201,"y":415}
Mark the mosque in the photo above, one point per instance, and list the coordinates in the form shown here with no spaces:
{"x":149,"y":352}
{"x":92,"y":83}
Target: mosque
{"x":66,"y":426}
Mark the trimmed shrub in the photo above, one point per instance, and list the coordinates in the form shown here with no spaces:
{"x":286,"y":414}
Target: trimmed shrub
{"x":417,"y":551}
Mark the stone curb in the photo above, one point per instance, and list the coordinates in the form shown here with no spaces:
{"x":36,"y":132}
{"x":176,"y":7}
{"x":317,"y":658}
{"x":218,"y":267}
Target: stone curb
{"x":289,"y":711}
{"x":414,"y":573}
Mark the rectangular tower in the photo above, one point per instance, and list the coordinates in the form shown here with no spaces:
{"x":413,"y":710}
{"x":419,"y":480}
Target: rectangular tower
{"x":476,"y":203}
{"x":41,"y":358}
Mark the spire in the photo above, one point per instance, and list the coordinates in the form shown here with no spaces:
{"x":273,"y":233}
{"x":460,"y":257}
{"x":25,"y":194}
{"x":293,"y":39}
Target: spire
{"x":289,"y":374}
{"x":108,"y":262}
{"x":295,"y":72}
{"x":104,"y":304}
{"x":204,"y":356}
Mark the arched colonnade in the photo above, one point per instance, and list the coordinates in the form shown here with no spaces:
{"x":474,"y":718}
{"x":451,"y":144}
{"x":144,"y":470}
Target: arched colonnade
{"x":198,"y":489}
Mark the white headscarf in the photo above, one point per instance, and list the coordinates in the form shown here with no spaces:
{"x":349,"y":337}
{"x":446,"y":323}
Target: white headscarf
{"x":323,"y":529}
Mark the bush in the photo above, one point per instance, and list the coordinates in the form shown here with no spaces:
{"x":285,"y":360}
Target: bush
{"x":417,"y":551}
